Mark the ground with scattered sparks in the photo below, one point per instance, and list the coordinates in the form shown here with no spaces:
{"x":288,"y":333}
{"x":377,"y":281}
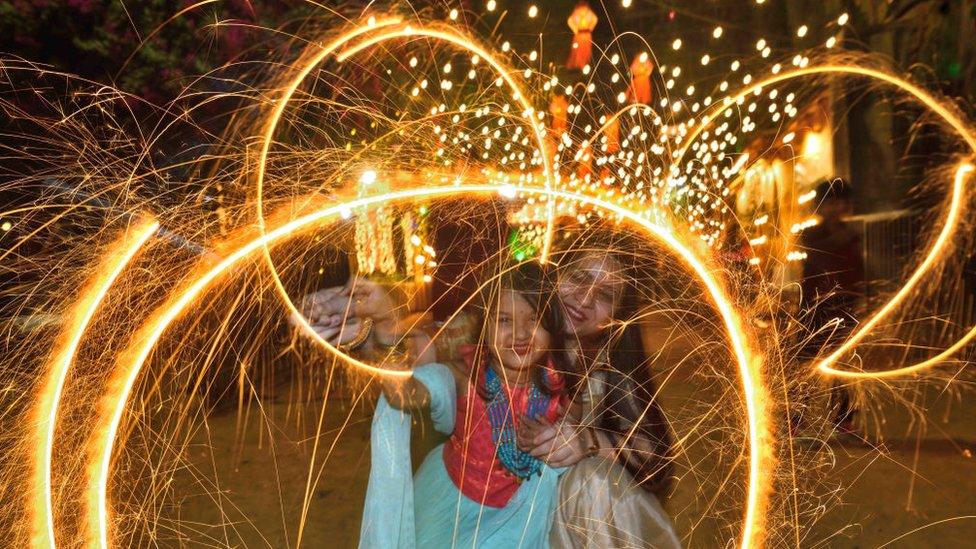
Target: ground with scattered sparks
{"x":887,"y":490}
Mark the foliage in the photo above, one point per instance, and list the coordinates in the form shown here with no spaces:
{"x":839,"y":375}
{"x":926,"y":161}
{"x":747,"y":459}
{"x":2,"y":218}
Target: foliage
{"x":146,"y":47}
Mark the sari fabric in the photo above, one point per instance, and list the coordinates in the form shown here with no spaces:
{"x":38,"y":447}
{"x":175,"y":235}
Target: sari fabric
{"x":601,"y":506}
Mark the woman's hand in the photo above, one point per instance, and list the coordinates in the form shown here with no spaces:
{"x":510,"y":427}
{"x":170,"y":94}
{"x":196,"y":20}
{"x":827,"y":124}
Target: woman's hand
{"x":319,"y":306}
{"x":559,"y":445}
{"x":358,"y":298}
{"x":336,"y":330}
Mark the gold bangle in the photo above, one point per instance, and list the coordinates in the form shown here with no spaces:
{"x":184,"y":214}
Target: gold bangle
{"x":360,"y":339}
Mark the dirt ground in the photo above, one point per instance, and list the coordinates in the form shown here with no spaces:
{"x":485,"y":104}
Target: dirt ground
{"x":248,"y":479}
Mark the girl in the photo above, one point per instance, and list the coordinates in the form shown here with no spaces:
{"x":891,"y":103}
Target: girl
{"x":479,"y":489}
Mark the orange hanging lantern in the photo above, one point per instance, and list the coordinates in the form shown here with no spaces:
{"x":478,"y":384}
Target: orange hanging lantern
{"x":558,"y":109}
{"x":582,"y":22}
{"x":640,"y":83}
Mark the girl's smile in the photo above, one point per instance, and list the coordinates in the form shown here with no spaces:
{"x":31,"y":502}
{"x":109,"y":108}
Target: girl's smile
{"x":516,"y":336}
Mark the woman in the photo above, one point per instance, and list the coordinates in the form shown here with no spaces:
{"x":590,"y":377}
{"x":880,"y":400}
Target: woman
{"x":612,"y":498}
{"x":617,"y":448}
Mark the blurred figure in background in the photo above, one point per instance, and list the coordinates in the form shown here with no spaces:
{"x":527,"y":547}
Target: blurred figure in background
{"x":833,"y":286}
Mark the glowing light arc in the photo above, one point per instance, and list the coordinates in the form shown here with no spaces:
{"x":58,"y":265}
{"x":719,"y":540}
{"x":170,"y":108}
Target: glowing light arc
{"x":762,"y":461}
{"x":117,"y":258}
{"x":331,"y":48}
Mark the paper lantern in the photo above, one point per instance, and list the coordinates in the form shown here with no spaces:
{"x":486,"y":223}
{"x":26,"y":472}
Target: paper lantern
{"x":582,"y":22}
{"x":640,"y":83}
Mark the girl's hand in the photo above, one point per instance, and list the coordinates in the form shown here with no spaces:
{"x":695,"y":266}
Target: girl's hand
{"x":559,"y":445}
{"x":403,"y":393}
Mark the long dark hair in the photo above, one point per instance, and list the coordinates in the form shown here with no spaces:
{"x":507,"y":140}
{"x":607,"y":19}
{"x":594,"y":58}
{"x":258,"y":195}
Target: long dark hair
{"x":628,"y":406}
{"x":537,"y":286}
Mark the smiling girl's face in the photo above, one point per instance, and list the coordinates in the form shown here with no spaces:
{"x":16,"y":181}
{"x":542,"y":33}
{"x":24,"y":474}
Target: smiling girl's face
{"x":515,"y":333}
{"x":590,"y":290}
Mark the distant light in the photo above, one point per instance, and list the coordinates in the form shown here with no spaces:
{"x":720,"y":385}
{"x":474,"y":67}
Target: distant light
{"x":368,"y":177}
{"x":717,"y":33}
{"x":806,"y":197}
{"x":676,"y":44}
{"x":491,"y":5}
{"x":533,"y":11}
{"x":813,"y":144}
{"x":802,"y":31}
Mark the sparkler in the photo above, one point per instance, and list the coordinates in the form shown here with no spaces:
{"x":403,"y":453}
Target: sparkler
{"x":937,"y":249}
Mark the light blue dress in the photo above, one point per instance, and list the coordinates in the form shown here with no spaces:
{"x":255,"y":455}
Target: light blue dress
{"x":429,"y":510}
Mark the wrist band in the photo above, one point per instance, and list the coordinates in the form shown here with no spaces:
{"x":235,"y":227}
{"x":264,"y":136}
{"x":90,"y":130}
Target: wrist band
{"x":357,"y":342}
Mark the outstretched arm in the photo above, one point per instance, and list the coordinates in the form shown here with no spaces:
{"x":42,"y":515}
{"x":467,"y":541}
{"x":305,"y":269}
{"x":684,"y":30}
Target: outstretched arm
{"x":406,"y":393}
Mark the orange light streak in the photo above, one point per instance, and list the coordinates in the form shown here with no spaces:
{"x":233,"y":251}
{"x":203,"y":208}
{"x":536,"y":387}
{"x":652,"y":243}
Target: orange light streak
{"x":762,"y":460}
{"x":116,"y":259}
{"x":467,"y":43}
{"x":951,"y":221}
{"x":451,"y":37}
{"x":949,"y":224}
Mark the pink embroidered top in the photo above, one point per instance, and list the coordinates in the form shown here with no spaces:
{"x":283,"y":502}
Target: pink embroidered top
{"x":470,"y":454}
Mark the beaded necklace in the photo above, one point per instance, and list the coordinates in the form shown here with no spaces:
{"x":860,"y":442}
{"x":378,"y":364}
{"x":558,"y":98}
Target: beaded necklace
{"x":500,"y":416}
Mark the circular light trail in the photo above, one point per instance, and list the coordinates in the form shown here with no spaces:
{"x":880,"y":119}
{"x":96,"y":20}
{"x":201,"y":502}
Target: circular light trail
{"x":106,"y":426}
